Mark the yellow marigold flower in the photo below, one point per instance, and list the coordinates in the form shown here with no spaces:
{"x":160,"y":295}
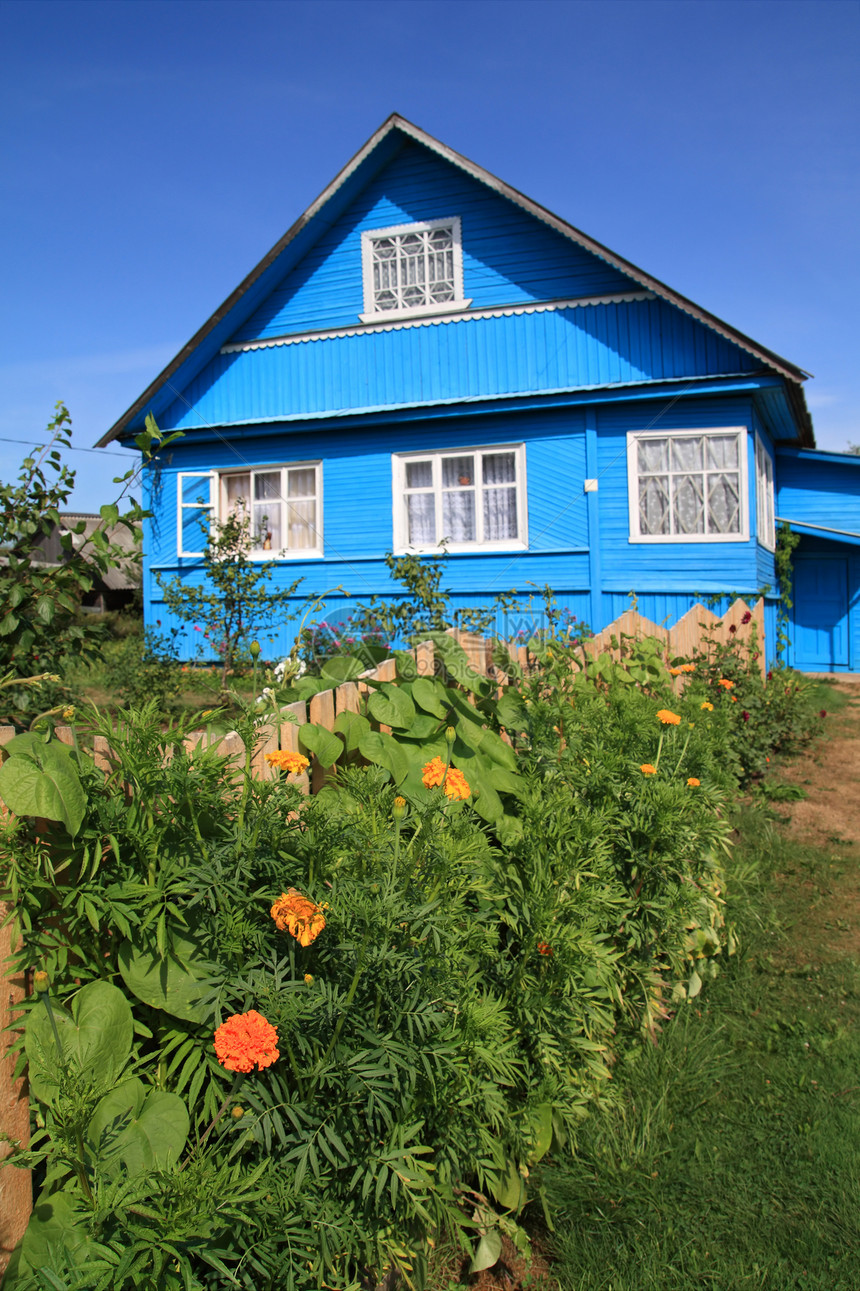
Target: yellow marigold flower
{"x":709,"y":708}
{"x":309,"y":979}
{"x":668,"y":718}
{"x":647,"y":769}
{"x":693,"y":782}
{"x":298,"y":915}
{"x":68,"y":713}
{"x":454,"y":783}
{"x":289,"y":762}
{"x":725,"y":682}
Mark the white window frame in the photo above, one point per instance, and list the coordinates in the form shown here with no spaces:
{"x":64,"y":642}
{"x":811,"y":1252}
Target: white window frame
{"x":219,"y":509}
{"x":764,"y":496}
{"x":399,"y":462}
{"x":634,"y":438}
{"x":369,"y":236}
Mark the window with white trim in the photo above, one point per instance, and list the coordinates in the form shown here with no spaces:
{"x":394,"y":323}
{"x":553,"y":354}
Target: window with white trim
{"x":411,"y":269}
{"x":688,"y":486}
{"x":765,"y":525}
{"x":283,"y":505}
{"x":470,"y":498}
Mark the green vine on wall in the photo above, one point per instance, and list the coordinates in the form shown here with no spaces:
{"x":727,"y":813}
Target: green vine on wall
{"x":786,"y":541}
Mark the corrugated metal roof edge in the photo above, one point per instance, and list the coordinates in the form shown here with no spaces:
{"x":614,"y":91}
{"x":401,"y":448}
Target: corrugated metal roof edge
{"x":725,"y":383}
{"x":820,"y":455}
{"x":820,"y":531}
{"x":396,"y":122}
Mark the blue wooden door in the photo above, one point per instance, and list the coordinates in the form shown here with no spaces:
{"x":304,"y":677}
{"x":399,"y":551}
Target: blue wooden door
{"x":820,"y":635}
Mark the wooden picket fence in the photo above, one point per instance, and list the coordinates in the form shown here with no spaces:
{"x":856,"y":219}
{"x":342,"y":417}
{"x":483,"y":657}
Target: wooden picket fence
{"x":697,"y":631}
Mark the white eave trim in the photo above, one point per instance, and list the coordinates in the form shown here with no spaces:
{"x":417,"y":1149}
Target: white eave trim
{"x":398,"y":324}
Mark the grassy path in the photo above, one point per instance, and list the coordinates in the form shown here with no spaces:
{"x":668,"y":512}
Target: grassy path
{"x":735,"y":1162}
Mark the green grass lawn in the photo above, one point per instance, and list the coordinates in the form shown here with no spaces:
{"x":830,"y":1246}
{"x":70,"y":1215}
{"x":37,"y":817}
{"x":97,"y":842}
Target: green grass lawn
{"x":733,"y":1160}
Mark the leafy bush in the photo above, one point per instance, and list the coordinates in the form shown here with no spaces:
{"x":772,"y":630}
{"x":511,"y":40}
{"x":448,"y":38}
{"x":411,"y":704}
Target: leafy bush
{"x":499,"y":889}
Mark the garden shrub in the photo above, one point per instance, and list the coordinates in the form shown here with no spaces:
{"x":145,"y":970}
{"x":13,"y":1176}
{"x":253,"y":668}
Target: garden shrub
{"x":453,"y":942}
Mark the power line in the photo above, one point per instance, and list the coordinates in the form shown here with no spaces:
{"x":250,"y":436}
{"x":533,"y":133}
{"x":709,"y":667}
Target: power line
{"x":5,"y":440}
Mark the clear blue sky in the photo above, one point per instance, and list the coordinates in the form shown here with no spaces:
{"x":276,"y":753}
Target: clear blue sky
{"x":153,"y":152}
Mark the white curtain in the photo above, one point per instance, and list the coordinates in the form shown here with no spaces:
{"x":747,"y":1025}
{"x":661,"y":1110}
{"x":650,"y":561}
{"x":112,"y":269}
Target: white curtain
{"x":500,"y":503}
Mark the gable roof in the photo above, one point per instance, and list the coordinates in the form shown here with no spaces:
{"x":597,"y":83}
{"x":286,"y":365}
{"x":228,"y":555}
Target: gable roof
{"x":380,"y":147}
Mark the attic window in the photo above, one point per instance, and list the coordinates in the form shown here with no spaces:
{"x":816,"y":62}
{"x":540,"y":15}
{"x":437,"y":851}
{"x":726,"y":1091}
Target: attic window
{"x":412,"y":269}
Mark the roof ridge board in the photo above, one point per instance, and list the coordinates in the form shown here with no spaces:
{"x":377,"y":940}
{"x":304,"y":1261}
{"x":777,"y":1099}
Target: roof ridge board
{"x":407,"y":128}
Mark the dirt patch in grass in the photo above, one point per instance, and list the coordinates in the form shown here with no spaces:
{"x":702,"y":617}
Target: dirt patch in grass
{"x":828,"y":820}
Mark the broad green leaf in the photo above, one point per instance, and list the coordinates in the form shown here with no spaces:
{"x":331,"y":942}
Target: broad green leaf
{"x":511,"y":711}
{"x":509,"y":1191}
{"x":352,"y":726}
{"x":41,"y":779}
{"x":423,"y":727}
{"x":326,"y":747}
{"x":488,"y":1251}
{"x":542,"y":1131}
{"x":109,"y":513}
{"x":175,"y":984}
{"x":95,"y":1038}
{"x":342,"y":667}
{"x":57,"y":1227}
{"x":694,"y":985}
{"x":504,"y":781}
{"x":134,"y":1131}
{"x":385,"y":751}
{"x":430,"y":695}
{"x":392,"y":707}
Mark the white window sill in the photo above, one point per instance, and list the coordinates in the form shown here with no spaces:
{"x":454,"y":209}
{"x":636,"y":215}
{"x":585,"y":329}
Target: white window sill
{"x":421,"y":311}
{"x":284,"y":557}
{"x":464,"y":549}
{"x":684,"y":538}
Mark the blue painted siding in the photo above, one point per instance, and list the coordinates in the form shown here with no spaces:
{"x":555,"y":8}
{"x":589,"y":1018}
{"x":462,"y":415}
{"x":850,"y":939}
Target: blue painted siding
{"x":357,"y":508}
{"x":470,"y":359}
{"x":693,"y":568}
{"x":508,"y":256}
{"x":812,"y":490}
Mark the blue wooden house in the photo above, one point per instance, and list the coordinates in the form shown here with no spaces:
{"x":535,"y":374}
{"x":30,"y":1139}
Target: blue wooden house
{"x":429,"y":355}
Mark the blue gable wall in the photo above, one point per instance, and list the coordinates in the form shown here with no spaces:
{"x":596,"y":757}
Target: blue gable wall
{"x":508,"y":257}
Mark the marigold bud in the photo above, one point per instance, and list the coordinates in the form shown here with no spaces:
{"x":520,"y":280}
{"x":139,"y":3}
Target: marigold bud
{"x":450,"y":734}
{"x":237,"y":1113}
{"x":255,"y":649}
{"x":309,"y":979}
{"x":69,"y":713}
{"x":41,"y":983}
{"x":399,"y":810}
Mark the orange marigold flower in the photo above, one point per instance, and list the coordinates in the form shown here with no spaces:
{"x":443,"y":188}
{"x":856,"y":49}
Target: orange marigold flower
{"x":288,"y":762}
{"x":676,"y":672}
{"x":725,"y":682}
{"x":693,"y":782}
{"x":544,"y":948}
{"x":668,"y":718}
{"x":298,"y":915}
{"x":688,"y":667}
{"x":454,"y":783}
{"x":709,"y":708}
{"x":245,"y":1039}
{"x":647,"y":769}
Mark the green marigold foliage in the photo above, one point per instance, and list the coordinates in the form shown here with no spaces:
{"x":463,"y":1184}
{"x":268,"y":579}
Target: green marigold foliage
{"x":450,"y":991}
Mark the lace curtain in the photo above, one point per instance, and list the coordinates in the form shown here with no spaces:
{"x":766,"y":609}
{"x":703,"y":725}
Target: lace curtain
{"x":689,"y":484}
{"x":478,"y":499}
